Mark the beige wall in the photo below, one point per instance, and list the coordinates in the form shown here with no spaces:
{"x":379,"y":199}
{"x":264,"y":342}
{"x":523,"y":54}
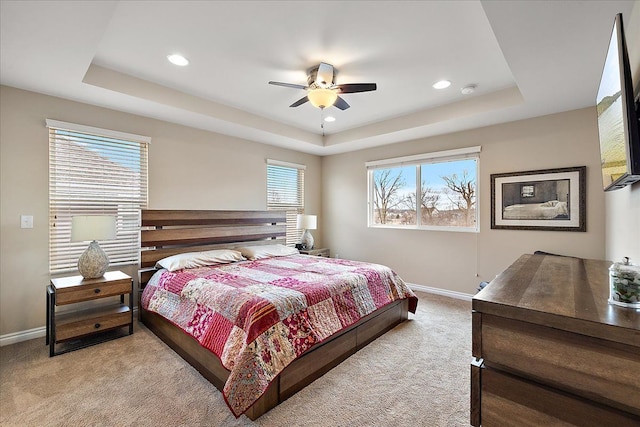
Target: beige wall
{"x":623,"y":206}
{"x":450,"y":260}
{"x":196,"y":169}
{"x":188,"y":169}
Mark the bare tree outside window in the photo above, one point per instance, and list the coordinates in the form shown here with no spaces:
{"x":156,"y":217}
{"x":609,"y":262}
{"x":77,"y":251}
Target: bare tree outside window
{"x":462,"y":191}
{"x":425,"y":194}
{"x":430,"y":200}
{"x":386,"y":197}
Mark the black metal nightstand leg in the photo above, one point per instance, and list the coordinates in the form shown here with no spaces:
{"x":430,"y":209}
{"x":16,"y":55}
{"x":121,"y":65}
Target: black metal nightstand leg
{"x":48,"y":308}
{"x":51,"y":326}
{"x":130,"y":308}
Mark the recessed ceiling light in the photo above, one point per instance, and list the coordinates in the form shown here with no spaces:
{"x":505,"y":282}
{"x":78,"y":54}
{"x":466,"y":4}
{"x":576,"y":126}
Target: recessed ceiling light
{"x":178,"y":60}
{"x":329,"y":119}
{"x":442,"y":84}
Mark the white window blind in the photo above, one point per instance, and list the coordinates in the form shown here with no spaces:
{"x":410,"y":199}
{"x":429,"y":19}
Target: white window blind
{"x":435,"y":157}
{"x":95,"y":171}
{"x":285,"y":191}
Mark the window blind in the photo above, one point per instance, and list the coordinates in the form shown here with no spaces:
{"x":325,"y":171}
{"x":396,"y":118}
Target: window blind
{"x":285,"y":191}
{"x":95,"y":172}
{"x":434,"y":157}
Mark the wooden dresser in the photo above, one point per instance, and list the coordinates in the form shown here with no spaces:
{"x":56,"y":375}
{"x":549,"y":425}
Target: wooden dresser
{"x":548,"y":349}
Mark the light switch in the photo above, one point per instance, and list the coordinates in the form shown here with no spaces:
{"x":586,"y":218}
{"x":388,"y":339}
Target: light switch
{"x":26,"y":221}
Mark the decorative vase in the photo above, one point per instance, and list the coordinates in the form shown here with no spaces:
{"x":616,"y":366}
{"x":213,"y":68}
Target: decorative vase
{"x":307,"y":239}
{"x":93,"y":262}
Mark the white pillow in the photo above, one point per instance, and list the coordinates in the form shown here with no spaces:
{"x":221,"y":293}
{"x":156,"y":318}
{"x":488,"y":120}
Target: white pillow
{"x":267,"y":251}
{"x":199,"y":259}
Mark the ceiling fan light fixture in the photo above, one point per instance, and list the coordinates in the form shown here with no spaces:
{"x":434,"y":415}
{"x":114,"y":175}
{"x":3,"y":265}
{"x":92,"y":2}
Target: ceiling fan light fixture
{"x":322,"y":98}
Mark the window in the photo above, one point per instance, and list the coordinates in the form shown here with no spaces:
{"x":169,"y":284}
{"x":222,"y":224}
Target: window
{"x":285,"y":191}
{"x":95,"y":171}
{"x":527,"y":191}
{"x":427,"y":191}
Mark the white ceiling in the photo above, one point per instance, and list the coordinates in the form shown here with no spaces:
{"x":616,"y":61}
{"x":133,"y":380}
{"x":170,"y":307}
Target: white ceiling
{"x":527,"y":58}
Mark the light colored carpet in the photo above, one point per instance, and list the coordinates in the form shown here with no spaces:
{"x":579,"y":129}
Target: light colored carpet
{"x":415,"y":375}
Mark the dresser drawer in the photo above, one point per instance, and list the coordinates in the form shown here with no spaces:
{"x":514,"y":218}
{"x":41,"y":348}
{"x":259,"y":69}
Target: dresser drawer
{"x":90,"y":292}
{"x":82,"y":323}
{"x":599,"y":370}
{"x":511,"y":401}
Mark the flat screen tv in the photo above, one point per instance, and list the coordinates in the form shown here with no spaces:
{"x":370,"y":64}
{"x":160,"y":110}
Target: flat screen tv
{"x":617,"y":116}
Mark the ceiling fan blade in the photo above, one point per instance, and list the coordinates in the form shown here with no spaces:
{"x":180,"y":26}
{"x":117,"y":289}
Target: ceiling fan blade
{"x":341,"y":104}
{"x":295,"y":86}
{"x":299,"y":102}
{"x":357,"y":87}
{"x":324,"y":76}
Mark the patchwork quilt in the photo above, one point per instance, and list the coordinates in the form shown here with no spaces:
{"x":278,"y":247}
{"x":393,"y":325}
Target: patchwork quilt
{"x":258,"y":316}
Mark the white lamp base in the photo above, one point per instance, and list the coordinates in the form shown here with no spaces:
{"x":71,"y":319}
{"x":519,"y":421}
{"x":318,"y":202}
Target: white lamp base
{"x":307,"y":239}
{"x":93,"y":262}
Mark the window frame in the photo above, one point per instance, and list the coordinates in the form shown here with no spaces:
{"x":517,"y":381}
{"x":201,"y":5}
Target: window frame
{"x":108,"y":152}
{"x":469,"y":153}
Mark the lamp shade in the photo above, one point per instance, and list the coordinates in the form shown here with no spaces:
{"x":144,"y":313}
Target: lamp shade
{"x":93,"y":227}
{"x":306,"y":222}
{"x":322,"y":98}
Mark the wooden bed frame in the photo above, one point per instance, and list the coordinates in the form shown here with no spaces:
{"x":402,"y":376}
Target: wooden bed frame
{"x":169,"y":232}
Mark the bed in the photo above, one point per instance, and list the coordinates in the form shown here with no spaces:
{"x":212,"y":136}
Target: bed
{"x":270,"y":349}
{"x":547,"y":210}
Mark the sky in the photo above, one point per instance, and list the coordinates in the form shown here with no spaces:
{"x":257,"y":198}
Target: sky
{"x":610,"y":83}
{"x":432,"y":173}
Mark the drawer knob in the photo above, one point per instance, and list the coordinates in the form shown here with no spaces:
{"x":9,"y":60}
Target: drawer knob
{"x":97,"y":291}
{"x":97,"y":325}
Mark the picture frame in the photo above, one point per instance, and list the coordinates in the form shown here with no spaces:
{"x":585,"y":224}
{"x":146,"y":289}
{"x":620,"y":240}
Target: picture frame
{"x":548,"y":199}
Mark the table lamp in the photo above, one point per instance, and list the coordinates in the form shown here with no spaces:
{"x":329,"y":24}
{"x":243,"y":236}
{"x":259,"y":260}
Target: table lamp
{"x":94,"y":261}
{"x":306,"y":223}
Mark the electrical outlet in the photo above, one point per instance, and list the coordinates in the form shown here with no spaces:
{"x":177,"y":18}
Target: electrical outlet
{"x":26,"y":221}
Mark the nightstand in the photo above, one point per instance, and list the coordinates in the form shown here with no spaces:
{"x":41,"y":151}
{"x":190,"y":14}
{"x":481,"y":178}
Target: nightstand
{"x":74,"y":329}
{"x":316,"y":252}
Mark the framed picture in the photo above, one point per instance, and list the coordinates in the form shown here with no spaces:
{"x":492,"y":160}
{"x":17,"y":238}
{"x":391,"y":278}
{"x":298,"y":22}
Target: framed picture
{"x":551,"y":199}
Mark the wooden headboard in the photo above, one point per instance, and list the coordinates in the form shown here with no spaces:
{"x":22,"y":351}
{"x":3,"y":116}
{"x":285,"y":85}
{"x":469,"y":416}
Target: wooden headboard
{"x":170,"y":232}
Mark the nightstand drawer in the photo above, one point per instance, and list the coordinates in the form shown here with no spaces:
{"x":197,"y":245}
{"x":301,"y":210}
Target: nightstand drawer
{"x":79,"y":324}
{"x":90,"y":292}
{"x":323,"y":252}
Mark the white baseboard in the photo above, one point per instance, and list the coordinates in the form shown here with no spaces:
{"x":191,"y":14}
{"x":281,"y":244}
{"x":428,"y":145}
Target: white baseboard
{"x":439,"y":291}
{"x":23,"y":336}
{"x":40,"y":332}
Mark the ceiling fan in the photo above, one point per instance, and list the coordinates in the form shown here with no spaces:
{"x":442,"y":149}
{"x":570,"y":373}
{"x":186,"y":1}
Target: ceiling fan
{"x":322,"y":91}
